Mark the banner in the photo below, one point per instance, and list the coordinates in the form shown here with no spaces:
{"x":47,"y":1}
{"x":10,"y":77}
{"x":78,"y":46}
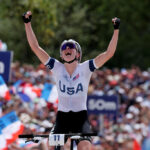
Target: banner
{"x":102,"y":104}
{"x":5,"y":62}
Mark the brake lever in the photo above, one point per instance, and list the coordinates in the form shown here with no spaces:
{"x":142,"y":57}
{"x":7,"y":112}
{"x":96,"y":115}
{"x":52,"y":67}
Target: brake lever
{"x":35,"y":141}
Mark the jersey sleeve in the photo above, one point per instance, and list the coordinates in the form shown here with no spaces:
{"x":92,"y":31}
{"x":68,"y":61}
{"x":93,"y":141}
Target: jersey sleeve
{"x":92,"y":65}
{"x":88,"y":67}
{"x":53,"y":64}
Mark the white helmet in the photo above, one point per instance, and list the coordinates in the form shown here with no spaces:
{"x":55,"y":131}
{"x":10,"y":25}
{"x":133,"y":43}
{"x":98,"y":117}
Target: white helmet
{"x":78,"y":47}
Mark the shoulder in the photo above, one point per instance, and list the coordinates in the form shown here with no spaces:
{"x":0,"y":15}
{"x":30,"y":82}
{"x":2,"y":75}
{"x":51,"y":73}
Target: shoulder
{"x":89,"y":64}
{"x":52,"y":63}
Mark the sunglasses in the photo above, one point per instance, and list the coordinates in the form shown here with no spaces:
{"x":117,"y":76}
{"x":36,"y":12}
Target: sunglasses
{"x":68,"y":44}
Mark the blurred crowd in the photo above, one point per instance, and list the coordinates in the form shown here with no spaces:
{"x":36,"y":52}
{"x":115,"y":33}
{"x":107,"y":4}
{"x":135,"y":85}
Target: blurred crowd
{"x":130,"y":130}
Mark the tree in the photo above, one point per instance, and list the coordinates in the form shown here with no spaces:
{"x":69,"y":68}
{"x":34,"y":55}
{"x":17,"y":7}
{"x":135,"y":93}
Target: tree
{"x":87,"y":22}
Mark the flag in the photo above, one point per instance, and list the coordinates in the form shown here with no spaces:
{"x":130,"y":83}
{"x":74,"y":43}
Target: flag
{"x":4,"y":91}
{"x":26,"y":91}
{"x":31,"y":91}
{"x":76,"y":77}
{"x":10,"y":128}
{"x":136,"y":145}
{"x":14,"y":88}
{"x":24,"y":97}
{"x":49,"y":93}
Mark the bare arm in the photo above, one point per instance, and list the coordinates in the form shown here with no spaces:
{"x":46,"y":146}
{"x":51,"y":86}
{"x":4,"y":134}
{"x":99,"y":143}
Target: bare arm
{"x":32,"y":40}
{"x":105,"y":56}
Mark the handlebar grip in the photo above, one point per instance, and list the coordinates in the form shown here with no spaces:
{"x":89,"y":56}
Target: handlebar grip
{"x":26,"y":136}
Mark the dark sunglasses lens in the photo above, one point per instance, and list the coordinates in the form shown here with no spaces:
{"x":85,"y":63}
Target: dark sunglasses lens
{"x":70,"y":45}
{"x":63,"y":47}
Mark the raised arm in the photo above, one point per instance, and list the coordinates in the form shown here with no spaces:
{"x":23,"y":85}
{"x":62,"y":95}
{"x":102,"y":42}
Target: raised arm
{"x":32,"y":40}
{"x":105,"y":56}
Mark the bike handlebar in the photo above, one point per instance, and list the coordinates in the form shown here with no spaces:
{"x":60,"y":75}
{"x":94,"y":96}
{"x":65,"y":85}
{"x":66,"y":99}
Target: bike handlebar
{"x":66,"y":135}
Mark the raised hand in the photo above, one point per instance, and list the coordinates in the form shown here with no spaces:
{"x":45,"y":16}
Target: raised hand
{"x":27,"y":16}
{"x":116,"y":23}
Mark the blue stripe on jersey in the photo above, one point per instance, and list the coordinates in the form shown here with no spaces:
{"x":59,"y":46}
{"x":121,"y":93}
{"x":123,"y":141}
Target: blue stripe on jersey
{"x":91,"y":65}
{"x":50,"y":64}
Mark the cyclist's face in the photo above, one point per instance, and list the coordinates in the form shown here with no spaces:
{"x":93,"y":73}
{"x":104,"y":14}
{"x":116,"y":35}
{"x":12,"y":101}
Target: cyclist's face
{"x":69,"y":54}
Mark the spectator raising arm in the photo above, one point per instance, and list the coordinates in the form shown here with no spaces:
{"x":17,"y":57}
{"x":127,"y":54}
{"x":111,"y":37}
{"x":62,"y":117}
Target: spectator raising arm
{"x":32,"y":40}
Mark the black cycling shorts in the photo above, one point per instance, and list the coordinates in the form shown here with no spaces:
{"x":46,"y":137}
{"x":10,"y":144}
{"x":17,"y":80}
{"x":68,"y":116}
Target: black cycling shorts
{"x":72,"y":122}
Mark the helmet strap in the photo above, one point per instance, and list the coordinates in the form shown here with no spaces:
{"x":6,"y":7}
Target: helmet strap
{"x":69,"y":62}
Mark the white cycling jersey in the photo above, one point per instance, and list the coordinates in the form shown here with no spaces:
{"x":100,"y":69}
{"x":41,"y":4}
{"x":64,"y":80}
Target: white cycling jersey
{"x":72,"y":90}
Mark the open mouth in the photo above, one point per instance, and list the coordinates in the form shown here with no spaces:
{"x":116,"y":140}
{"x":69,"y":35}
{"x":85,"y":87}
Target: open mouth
{"x":68,"y":54}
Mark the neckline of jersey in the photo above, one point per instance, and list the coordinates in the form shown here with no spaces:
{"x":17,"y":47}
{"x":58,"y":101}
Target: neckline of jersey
{"x":71,"y":76}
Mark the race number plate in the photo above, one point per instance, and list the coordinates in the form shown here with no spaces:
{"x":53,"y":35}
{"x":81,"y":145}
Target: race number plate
{"x":56,"y":139}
